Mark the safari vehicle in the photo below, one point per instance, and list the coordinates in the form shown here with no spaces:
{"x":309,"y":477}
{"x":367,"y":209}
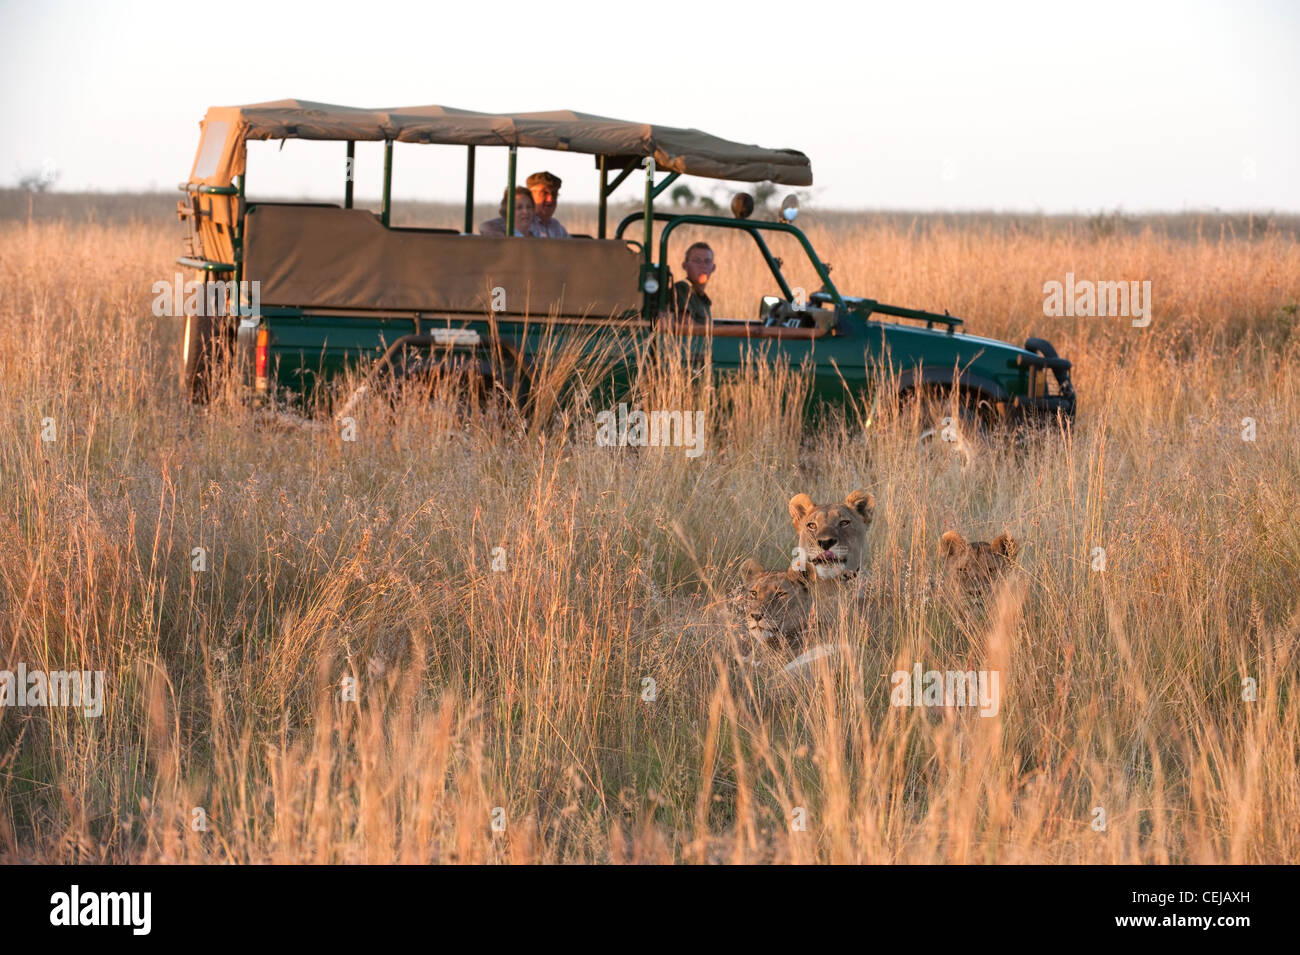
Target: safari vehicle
{"x":338,"y":284}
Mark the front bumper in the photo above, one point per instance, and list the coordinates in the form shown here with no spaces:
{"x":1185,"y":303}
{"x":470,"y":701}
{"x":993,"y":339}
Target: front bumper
{"x":1048,"y":407}
{"x":1043,"y":357}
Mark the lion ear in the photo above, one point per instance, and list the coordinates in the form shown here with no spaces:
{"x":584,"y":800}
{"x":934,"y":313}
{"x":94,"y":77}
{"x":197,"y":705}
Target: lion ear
{"x":1005,"y":545}
{"x":863,"y":503}
{"x":750,"y":571}
{"x":800,"y":505}
{"x":803,"y":577}
{"x":951,"y":544}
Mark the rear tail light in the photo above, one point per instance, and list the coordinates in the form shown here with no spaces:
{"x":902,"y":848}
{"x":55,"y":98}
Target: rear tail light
{"x":260,"y":360}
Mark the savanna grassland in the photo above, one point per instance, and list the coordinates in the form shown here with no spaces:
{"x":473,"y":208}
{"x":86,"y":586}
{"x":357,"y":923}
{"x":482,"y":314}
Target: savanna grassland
{"x":519,"y":694}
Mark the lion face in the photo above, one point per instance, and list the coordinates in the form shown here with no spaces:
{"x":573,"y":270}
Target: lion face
{"x":775,"y":606}
{"x":974,"y":565}
{"x":833,"y":536}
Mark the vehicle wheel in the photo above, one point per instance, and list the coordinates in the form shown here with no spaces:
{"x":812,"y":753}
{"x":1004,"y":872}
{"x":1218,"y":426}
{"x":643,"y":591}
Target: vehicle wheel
{"x":471,"y":376}
{"x":196,"y":357}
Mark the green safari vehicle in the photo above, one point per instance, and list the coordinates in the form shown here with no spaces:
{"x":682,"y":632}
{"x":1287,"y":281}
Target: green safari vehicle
{"x":321,"y":286}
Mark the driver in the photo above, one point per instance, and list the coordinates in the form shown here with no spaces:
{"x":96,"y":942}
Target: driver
{"x":691,"y":304}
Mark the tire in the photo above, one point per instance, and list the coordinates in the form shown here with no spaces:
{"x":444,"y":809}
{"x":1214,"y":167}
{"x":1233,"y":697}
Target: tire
{"x":197,"y":344}
{"x":476,"y":377}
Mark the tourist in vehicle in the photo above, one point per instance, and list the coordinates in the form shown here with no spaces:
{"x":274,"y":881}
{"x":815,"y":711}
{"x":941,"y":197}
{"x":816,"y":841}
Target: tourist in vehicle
{"x":545,"y":187}
{"x":690,"y":303}
{"x":524,"y":213}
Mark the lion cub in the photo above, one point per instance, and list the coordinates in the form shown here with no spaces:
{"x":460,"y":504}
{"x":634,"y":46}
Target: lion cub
{"x":833,"y":537}
{"x":776,"y":606}
{"x":974,"y":565}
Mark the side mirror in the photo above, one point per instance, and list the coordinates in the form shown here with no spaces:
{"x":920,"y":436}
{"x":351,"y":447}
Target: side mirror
{"x":742,"y":205}
{"x":765,"y":308}
{"x":790,"y":208}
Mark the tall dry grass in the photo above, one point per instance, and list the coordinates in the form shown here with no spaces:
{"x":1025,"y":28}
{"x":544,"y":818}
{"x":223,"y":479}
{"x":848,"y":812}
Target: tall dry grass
{"x":523,"y":688}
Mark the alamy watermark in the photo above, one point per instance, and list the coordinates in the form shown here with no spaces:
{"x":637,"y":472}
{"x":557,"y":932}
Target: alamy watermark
{"x":75,"y":907}
{"x":946,"y":688}
{"x":654,"y":429}
{"x":1087,"y":299}
{"x":83,"y":688}
{"x":211,"y":299}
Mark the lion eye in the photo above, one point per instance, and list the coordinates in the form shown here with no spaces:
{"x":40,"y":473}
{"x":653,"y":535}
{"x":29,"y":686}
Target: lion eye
{"x":754,"y":594}
{"x":812,"y":526}
{"x":844,"y":523}
{"x":781,"y":595}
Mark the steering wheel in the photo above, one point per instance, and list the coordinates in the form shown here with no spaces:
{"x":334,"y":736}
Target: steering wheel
{"x":777,"y":314}
{"x":784,"y":314}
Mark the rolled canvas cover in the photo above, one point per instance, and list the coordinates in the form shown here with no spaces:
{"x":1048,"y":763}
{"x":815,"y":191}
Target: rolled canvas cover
{"x":344,"y":258}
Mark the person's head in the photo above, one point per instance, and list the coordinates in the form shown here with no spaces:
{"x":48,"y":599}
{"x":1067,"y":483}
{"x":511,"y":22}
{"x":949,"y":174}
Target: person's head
{"x":524,"y":208}
{"x":698,"y":264}
{"x":545,"y":188}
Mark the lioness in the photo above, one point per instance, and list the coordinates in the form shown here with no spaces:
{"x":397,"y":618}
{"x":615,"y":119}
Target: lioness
{"x":833,"y":537}
{"x":776,"y":606}
{"x":973,"y":565}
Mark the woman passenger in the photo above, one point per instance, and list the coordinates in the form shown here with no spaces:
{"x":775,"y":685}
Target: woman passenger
{"x":524,"y":211}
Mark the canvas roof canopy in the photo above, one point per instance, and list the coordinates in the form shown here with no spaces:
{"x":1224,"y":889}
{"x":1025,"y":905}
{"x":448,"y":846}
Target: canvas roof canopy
{"x":691,"y":152}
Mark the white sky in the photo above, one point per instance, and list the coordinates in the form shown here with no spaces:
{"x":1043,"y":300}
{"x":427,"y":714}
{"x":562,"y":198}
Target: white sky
{"x":1077,"y":107}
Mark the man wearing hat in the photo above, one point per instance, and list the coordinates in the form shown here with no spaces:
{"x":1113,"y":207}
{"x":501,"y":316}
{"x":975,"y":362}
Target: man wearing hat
{"x":545,"y":188}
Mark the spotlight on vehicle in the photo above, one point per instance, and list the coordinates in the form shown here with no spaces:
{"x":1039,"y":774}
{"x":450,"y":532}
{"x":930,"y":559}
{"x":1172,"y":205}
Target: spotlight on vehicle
{"x":790,"y":208}
{"x":742,"y":205}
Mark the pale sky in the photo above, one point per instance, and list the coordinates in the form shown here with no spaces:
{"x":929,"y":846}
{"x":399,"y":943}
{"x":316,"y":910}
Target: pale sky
{"x":1076,"y":107}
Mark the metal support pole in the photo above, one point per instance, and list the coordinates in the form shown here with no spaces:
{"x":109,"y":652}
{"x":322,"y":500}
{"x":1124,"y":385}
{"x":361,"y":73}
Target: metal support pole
{"x":386,"y":209}
{"x":672,"y":176}
{"x":469,"y":191}
{"x":649,"y":205}
{"x":604,"y":195}
{"x":238,"y":238}
{"x":510,"y":194}
{"x":352,"y":167}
